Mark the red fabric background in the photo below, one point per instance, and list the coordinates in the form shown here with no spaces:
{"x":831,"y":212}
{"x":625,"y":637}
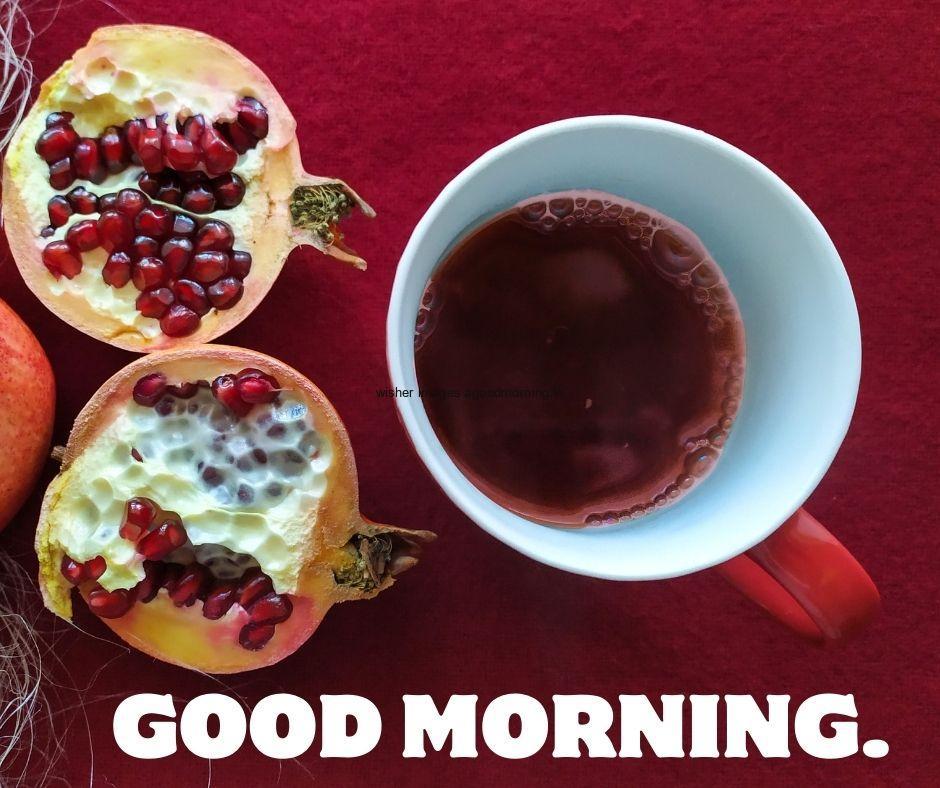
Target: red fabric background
{"x":840,"y":99}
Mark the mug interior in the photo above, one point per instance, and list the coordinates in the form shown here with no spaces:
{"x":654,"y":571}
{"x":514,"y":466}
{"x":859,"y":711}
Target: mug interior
{"x":800,"y":319}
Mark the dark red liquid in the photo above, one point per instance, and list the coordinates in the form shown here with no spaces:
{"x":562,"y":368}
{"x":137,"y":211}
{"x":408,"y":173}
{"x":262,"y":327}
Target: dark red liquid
{"x":581,"y":358}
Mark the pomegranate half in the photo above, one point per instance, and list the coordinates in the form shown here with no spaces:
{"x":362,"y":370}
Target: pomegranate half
{"x":27,"y":410}
{"x":154,"y":190}
{"x":207,"y":511}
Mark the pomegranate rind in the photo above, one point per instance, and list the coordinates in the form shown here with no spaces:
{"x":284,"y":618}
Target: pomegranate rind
{"x":27,"y":411}
{"x":321,"y":536}
{"x":128,"y":71}
{"x":183,"y":636}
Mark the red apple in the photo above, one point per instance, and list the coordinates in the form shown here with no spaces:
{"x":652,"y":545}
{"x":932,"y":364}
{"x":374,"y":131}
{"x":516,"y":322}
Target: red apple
{"x":27,"y":408}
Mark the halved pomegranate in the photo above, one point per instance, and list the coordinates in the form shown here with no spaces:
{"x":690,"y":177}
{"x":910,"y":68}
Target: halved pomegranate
{"x":158,"y":156}
{"x":207,"y":511}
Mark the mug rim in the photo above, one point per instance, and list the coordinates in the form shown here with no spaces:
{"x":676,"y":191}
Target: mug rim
{"x":461,"y":490}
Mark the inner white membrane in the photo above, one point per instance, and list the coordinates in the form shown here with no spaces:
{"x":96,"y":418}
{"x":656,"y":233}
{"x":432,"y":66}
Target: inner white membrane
{"x":244,"y":487}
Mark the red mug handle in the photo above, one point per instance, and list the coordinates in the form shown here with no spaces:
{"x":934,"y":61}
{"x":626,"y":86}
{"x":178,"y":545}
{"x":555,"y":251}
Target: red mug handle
{"x":803,"y":576}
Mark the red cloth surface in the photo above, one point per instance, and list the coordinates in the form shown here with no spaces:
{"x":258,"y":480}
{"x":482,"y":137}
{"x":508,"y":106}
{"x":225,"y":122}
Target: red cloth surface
{"x":840,"y":99}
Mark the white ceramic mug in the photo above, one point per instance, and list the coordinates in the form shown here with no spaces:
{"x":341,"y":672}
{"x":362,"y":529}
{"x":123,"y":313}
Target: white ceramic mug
{"x":803,"y":365}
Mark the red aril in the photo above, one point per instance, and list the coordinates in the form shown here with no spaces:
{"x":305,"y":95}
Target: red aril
{"x":81,"y":200}
{"x":83,"y":236}
{"x":61,"y":174}
{"x":225,"y":293}
{"x":115,"y":231}
{"x":87,"y":161}
{"x":206,"y":267}
{"x":115,"y":152}
{"x":155,"y":221}
{"x":148,"y":272}
{"x":59,"y":211}
{"x":156,"y":302}
{"x":117,"y":269}
{"x":179,"y":321}
{"x":176,"y":253}
{"x":192,"y":295}
{"x":56,"y":143}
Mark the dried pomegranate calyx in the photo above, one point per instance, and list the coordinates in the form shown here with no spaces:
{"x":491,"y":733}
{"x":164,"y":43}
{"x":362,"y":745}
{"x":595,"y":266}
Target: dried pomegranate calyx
{"x":368,"y":561}
{"x":320,"y":208}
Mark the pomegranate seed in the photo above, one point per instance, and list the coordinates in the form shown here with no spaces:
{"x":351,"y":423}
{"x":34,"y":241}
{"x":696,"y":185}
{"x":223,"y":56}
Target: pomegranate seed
{"x":115,"y":152}
{"x":47,"y":232}
{"x":59,"y":211}
{"x":206,"y":267}
{"x":149,"y":389}
{"x":258,"y":390}
{"x":254,"y":585}
{"x":73,"y":571}
{"x":87,"y":160}
{"x":95,"y":567}
{"x":184,"y":390}
{"x":149,"y":184}
{"x":225,"y":293}
{"x":271,"y":609}
{"x":180,"y":152}
{"x":131,"y":202}
{"x":192,"y":295}
{"x":139,"y":512}
{"x":154,"y":303}
{"x":253,"y":117}
{"x":82,"y":200}
{"x":148,"y":588}
{"x":155,"y":221}
{"x":183,"y":225}
{"x":133,"y":130}
{"x":193,"y":178}
{"x":217,"y":154}
{"x":171,"y":575}
{"x":229,"y":190}
{"x":59,"y":258}
{"x":198,"y":199}
{"x":149,"y":149}
{"x":145,"y":247}
{"x":180,"y":321}
{"x":56,"y":143}
{"x":186,"y":590}
{"x":108,"y":202}
{"x":162,"y":541}
{"x":240,"y":264}
{"x":224,"y":389}
{"x":83,"y":236}
{"x":171,"y":193}
{"x":214,"y":236}
{"x":110,"y":604}
{"x":241,"y":139}
{"x":117,"y":270}
{"x":59,"y":119}
{"x":255,"y":637}
{"x":61,"y":174}
{"x":193,"y":128}
{"x":176,"y":253}
{"x":219,"y":601}
{"x":148,"y":272}
{"x":115,"y":230}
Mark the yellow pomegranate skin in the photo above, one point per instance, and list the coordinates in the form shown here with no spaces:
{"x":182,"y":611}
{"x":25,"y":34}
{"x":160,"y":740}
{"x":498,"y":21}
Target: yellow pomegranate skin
{"x":27,"y":410}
